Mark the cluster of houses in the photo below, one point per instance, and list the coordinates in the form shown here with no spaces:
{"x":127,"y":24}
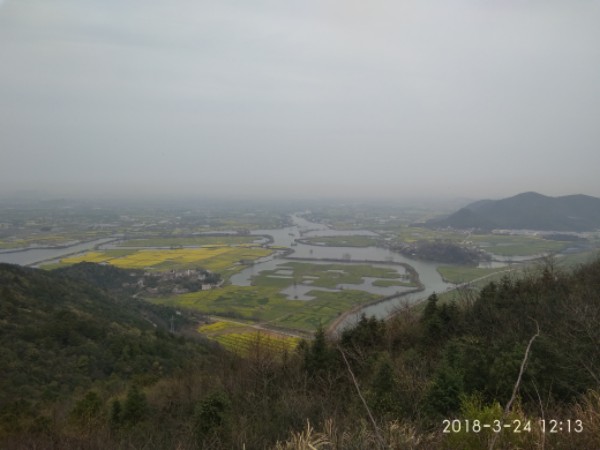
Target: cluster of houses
{"x":178,"y":281}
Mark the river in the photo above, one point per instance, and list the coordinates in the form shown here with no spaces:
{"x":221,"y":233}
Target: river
{"x":33,"y":256}
{"x":286,"y":237}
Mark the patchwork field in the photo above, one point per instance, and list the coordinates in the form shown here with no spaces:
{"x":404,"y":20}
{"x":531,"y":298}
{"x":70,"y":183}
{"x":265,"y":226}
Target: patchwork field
{"x":498,"y":244}
{"x":265,"y":304}
{"x":330,"y":275}
{"x":508,"y":245}
{"x":221,"y":259}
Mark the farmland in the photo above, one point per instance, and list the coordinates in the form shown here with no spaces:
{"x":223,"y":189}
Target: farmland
{"x":325,"y":275}
{"x":300,"y":293}
{"x":342,"y":241}
{"x":266,"y":305}
{"x":517,"y":245}
{"x":195,"y":241}
{"x":263,"y":302}
{"x":464,"y":274}
{"x":222,"y":259}
{"x":242,"y":339}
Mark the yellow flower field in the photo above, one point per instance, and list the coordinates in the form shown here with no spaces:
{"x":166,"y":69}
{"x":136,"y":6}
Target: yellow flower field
{"x":214,"y":258}
{"x":245,"y":343}
{"x":95,"y":257}
{"x":244,"y":340}
{"x":217,"y":326}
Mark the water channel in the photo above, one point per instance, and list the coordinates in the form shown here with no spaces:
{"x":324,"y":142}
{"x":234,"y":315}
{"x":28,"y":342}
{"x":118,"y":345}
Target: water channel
{"x":33,"y":256}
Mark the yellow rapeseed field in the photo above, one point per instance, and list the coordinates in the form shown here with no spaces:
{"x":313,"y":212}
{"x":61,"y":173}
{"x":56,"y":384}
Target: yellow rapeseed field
{"x":214,"y":258}
{"x":244,"y":343}
{"x":243,"y":340}
{"x":96,"y":257}
{"x":217,"y":327}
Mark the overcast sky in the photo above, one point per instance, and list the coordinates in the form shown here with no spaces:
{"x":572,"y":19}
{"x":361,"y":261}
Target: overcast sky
{"x":340,"y":97}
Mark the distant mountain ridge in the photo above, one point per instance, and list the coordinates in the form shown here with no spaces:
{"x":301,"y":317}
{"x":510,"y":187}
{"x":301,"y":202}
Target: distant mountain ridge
{"x":528,"y":210}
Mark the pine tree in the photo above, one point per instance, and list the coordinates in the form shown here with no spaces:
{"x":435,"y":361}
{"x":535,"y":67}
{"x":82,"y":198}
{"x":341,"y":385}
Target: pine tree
{"x":136,"y":406}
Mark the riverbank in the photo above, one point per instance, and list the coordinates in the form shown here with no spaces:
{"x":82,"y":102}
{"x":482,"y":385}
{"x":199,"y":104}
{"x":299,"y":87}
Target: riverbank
{"x":344,"y":316}
{"x":37,"y":264}
{"x":332,"y":329}
{"x":33,"y":257}
{"x":51,"y":247}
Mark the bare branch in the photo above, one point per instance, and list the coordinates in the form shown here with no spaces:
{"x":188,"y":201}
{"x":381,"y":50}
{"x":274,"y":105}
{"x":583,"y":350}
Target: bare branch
{"x":377,"y":434}
{"x":517,"y":384}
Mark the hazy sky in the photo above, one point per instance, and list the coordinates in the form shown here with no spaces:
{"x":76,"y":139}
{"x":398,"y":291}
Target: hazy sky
{"x":477,"y":98}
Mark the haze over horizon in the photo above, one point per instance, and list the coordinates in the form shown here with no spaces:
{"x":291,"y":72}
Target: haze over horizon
{"x":319,"y":98}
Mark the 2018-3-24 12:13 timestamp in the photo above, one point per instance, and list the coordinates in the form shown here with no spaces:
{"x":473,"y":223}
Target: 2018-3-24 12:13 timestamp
{"x":515,"y":426}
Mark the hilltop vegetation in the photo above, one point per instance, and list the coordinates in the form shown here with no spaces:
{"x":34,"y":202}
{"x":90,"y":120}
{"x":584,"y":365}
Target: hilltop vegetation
{"x":83,"y":370}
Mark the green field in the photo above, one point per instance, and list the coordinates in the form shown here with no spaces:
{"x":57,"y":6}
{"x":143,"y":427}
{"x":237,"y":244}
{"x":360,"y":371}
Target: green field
{"x":465,"y":274}
{"x":569,"y":261}
{"x":197,"y":241}
{"x":266,"y":305}
{"x":413,"y":234}
{"x":50,"y":240}
{"x":389,"y":283}
{"x":472,"y":289}
{"x":324,"y":275}
{"x":263,"y":302}
{"x":509,"y":245}
{"x":343,"y":241}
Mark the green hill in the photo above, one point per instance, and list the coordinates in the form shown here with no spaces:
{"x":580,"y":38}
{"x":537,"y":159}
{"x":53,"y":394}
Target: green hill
{"x":528,"y":210}
{"x":60,"y":335}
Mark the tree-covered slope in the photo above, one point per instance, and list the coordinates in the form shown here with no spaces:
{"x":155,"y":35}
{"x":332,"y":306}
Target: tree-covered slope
{"x":381,"y":384}
{"x":59,"y":335}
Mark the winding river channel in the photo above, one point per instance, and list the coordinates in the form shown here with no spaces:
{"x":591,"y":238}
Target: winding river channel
{"x":34,"y":256}
{"x":286,"y":238}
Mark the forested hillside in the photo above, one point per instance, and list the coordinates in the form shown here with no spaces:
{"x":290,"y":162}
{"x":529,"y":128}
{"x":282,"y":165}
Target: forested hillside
{"x":81,"y":373}
{"x":60,"y":336}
